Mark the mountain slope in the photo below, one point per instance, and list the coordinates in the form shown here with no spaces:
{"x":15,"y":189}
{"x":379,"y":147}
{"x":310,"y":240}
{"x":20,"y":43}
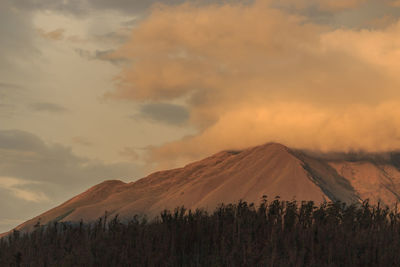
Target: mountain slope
{"x":226,"y":177}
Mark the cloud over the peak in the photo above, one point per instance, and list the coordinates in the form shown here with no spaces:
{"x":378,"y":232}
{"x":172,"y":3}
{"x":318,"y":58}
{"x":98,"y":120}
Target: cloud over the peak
{"x":297,"y":125}
{"x":251,"y":73}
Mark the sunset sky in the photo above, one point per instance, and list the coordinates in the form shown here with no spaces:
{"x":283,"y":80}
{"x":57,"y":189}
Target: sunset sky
{"x":92,"y":90}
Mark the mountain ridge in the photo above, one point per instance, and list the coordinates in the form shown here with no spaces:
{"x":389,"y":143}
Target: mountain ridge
{"x":271,"y":169}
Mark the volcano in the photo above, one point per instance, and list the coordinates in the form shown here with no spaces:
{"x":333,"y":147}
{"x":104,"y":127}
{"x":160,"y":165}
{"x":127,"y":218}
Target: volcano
{"x":269,"y":170}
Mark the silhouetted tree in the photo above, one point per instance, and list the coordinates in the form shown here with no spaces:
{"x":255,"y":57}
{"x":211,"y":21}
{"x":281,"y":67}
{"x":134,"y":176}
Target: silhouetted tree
{"x":276,"y":233}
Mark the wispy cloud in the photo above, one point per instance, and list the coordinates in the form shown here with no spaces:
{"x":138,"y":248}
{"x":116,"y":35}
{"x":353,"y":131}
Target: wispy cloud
{"x":103,"y":55}
{"x":83,"y":141}
{"x":48,"y":107}
{"x":10,"y":86}
{"x":55,"y":35}
{"x":166,"y":113}
{"x":130,"y":153}
{"x":17,"y":187}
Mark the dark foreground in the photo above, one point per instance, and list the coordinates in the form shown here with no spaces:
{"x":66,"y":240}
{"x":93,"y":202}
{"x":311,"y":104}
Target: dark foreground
{"x":275,"y":234}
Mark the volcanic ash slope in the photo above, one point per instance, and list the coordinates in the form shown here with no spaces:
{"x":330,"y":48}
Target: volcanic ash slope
{"x":230,"y":176}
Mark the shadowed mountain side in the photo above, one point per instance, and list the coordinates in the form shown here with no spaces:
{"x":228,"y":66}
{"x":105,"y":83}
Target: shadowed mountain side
{"x":229,"y":176}
{"x":375,"y":176}
{"x":336,"y":187}
{"x":376,"y":182}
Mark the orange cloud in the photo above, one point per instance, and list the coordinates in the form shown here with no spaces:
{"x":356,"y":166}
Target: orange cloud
{"x":55,"y":35}
{"x":297,"y":125}
{"x":393,"y":3}
{"x":252,"y":74}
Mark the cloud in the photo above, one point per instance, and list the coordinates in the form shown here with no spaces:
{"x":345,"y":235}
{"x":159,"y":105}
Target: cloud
{"x":164,"y":113}
{"x":117,"y":37}
{"x":9,"y":92}
{"x":16,"y":187}
{"x":356,"y":14}
{"x":393,"y":3}
{"x":130,"y":153}
{"x":48,"y":107}
{"x":9,"y":86}
{"x":85,"y":7}
{"x":340,"y":4}
{"x":55,"y":35}
{"x":253,"y":74}
{"x":34,"y":175}
{"x":80,"y":140}
{"x":323,"y":5}
{"x":103,"y":55}
{"x":76,"y":7}
{"x":54,"y":164}
{"x":16,"y":43}
{"x":297,"y":125}
{"x":227,"y":52}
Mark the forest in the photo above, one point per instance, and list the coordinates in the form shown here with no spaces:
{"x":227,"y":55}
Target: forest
{"x":270,"y":233}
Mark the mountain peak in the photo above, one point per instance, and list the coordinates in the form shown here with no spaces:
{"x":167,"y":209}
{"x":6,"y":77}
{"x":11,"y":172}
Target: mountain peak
{"x":271,"y":169}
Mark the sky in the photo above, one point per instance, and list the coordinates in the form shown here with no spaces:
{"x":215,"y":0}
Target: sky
{"x":92,"y":90}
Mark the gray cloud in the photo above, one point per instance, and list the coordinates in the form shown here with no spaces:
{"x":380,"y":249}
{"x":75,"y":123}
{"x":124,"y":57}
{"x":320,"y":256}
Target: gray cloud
{"x":10,"y":95}
{"x":84,"y":7}
{"x":48,"y":107}
{"x":54,"y":164}
{"x":118,"y":37}
{"x":9,"y":86}
{"x":365,"y":14}
{"x":19,"y":141}
{"x":165,"y":113}
{"x":7,"y":90}
{"x":76,"y":7}
{"x":83,"y":141}
{"x":16,"y":35}
{"x":35,"y":176}
{"x":103,"y":55}
{"x":80,"y":7}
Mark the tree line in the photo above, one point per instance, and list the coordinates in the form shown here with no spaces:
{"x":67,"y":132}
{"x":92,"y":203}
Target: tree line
{"x":275,"y":233}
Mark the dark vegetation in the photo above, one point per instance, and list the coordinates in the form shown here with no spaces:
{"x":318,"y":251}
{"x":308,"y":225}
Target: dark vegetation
{"x":276,"y":233}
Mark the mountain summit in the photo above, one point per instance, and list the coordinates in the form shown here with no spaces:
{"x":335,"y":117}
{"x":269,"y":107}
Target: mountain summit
{"x":229,"y":176}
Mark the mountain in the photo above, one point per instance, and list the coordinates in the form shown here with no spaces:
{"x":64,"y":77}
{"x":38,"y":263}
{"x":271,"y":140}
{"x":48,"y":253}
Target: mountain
{"x":226,"y":177}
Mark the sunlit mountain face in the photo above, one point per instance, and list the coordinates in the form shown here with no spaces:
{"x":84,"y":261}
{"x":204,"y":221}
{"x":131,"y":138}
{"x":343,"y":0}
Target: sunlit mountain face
{"x":271,"y":170}
{"x":115,"y":90}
